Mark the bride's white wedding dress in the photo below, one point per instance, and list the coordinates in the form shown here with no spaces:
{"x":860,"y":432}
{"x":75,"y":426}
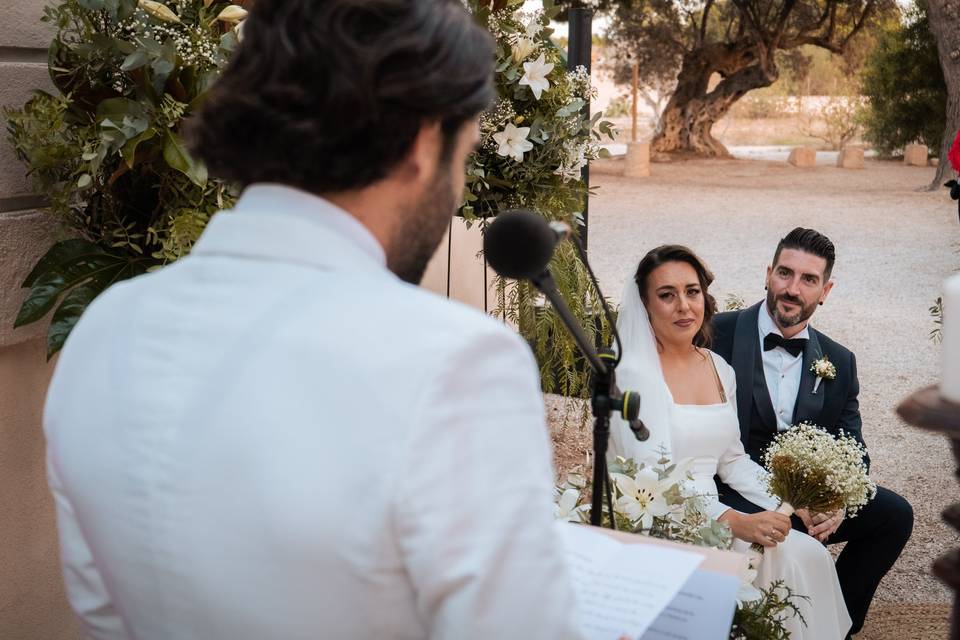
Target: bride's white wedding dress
{"x":708,"y":437}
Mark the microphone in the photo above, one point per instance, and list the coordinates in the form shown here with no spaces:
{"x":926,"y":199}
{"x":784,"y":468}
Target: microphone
{"x":519,"y":243}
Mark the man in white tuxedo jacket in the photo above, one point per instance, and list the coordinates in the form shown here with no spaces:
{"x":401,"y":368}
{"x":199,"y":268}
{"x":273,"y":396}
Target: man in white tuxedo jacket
{"x":279,"y":436}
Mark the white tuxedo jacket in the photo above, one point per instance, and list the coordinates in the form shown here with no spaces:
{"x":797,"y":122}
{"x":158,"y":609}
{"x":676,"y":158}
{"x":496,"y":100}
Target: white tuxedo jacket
{"x":277,"y":438}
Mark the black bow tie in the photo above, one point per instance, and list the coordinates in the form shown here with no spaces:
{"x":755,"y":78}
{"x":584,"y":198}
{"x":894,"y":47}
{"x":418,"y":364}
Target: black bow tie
{"x":793,"y":346}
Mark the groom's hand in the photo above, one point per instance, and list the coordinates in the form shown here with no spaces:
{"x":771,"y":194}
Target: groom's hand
{"x":825,"y":524}
{"x":804,"y":515}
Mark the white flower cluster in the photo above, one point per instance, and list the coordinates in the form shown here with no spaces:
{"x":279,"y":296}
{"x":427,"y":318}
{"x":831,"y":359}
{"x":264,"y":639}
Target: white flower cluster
{"x":823,"y":368}
{"x":581,"y":83}
{"x":195,"y":44}
{"x":577,"y":155}
{"x":817,"y":454}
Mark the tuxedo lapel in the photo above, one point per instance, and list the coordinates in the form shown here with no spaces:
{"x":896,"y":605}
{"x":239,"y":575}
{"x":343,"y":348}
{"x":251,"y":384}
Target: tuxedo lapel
{"x":751,"y":383}
{"x":809,"y":404}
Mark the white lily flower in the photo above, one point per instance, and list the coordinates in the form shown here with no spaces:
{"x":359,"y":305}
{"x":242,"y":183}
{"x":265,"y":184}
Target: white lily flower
{"x":535,"y":75}
{"x":523,"y":48}
{"x":513,"y":141}
{"x":566,"y":507}
{"x":158,"y":10}
{"x":534,"y":27}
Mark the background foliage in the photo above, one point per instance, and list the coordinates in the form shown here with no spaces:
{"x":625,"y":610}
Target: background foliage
{"x":904,"y":86}
{"x":106,"y":150}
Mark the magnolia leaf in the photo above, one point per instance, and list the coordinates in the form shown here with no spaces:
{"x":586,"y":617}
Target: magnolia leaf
{"x":158,"y":10}
{"x":129,"y":150}
{"x":135,"y":60}
{"x":41,"y":299}
{"x":232,"y":14}
{"x":176,"y":155}
{"x":67,"y":314}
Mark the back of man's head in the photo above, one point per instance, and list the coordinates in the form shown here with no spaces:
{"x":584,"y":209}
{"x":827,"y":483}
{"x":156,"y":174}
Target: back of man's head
{"x":328,"y":96}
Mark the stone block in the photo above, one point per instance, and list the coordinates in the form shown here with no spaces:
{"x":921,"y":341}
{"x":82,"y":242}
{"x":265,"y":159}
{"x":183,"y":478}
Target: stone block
{"x":24,"y":237}
{"x":915,"y":155}
{"x":637,"y":160}
{"x":21,"y":26}
{"x":803,"y":157}
{"x":17,"y":82}
{"x":850,"y":158}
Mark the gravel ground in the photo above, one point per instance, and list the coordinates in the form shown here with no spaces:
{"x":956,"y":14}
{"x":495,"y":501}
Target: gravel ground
{"x":895,"y":245}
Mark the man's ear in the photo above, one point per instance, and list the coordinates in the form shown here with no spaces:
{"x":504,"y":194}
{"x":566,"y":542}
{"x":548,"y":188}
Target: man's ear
{"x":767,"y":279}
{"x":420,"y":162}
{"x":826,"y":291}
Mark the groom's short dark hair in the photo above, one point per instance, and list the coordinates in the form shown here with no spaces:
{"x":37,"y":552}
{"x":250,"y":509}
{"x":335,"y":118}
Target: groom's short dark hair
{"x":809,"y":241}
{"x":327,"y":96}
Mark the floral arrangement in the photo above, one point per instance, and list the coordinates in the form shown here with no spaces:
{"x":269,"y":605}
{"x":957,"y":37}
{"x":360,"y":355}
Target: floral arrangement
{"x":823,"y":369}
{"x":656,"y":500}
{"x":811,"y":469}
{"x":660,"y":501}
{"x":535,"y":141}
{"x":106,"y":150}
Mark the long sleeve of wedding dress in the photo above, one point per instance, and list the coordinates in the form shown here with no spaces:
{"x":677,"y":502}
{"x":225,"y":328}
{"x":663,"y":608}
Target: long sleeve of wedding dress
{"x":735,"y":467}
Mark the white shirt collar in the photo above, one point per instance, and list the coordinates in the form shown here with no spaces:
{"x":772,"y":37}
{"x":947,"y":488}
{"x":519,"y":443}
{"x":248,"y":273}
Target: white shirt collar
{"x":767,"y":325}
{"x":276,"y":222}
{"x":278,"y":199}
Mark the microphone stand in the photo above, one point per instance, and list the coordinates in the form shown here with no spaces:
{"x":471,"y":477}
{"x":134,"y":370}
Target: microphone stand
{"x":605,"y":398}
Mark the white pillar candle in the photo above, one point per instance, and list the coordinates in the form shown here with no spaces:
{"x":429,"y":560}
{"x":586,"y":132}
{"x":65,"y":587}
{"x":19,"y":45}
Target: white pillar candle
{"x":950,"y":384}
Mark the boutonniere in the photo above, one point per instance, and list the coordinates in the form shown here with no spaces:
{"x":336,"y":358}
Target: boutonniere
{"x":823,"y":369}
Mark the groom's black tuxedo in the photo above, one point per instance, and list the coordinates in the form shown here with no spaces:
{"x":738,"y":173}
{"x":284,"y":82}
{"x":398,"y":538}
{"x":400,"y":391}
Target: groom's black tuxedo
{"x":877,"y":535}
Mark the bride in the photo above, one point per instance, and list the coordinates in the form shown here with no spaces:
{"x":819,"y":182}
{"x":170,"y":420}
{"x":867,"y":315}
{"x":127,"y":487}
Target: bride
{"x":688,"y":398}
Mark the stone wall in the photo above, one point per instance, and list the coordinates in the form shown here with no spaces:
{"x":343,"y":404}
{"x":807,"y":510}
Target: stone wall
{"x":32,"y":603}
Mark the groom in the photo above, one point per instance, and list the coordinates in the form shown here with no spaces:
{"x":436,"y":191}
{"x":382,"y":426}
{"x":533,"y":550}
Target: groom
{"x":772,"y":348}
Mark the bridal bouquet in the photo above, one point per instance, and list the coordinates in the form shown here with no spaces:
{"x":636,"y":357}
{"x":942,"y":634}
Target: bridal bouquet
{"x":810,"y":469}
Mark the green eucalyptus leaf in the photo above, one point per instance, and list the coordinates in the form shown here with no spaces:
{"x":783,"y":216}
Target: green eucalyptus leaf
{"x":176,"y":155}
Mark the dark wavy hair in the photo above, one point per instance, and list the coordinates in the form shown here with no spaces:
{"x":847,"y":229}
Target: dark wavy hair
{"x":678,"y":253}
{"x":328,"y":96}
{"x":812,"y":242}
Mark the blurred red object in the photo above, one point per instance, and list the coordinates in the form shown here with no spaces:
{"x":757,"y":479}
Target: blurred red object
{"x":954,"y":154}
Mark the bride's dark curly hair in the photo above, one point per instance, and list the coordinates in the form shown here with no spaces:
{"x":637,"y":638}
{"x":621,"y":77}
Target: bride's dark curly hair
{"x":678,"y":253}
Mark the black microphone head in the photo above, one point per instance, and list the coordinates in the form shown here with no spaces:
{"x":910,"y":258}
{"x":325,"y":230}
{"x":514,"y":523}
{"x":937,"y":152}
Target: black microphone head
{"x":519,"y":244}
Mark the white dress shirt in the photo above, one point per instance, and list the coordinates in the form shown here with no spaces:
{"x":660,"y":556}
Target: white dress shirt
{"x":275,"y":437}
{"x":781,"y":369}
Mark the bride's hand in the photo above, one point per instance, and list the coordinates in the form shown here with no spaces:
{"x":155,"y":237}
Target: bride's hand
{"x":767,"y":528}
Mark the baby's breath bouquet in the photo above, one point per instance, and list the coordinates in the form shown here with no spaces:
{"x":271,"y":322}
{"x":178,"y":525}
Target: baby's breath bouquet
{"x":811,"y":469}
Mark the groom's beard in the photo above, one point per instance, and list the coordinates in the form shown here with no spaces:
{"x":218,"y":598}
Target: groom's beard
{"x":426,"y":223}
{"x":793,"y":320}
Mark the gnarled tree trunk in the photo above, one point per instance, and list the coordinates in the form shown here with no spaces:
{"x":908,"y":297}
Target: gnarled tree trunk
{"x":944,"y":18}
{"x":688,"y":118}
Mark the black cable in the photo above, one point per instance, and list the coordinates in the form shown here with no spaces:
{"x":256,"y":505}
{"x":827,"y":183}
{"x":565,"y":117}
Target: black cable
{"x":603,"y":301}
